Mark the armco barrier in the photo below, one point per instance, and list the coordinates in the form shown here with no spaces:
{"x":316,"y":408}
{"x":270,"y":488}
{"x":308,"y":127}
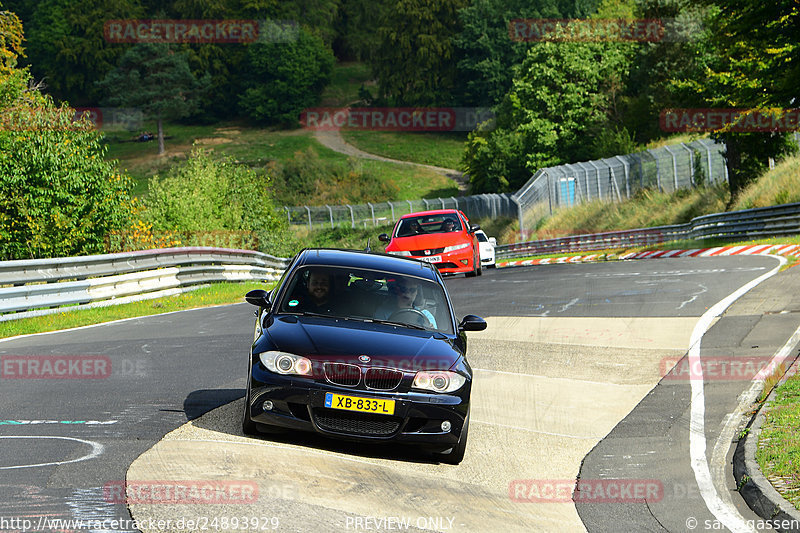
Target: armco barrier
{"x":47,"y":284}
{"x":749,"y":223}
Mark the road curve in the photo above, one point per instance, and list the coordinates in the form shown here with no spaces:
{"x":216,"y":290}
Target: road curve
{"x":572,"y":353}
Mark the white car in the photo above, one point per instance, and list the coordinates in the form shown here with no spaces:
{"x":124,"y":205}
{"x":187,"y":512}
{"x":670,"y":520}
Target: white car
{"x":486,"y":245}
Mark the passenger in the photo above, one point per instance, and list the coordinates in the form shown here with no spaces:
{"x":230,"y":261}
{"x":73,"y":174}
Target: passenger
{"x":402,"y":293}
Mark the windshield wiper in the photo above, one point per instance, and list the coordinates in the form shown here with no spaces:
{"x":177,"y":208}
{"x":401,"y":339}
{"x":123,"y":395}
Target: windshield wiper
{"x":401,"y":324}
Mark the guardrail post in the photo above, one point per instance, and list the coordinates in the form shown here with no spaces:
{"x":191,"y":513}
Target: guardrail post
{"x":625,"y":166}
{"x":330,"y":213}
{"x":674,"y":166}
{"x":288,"y":214}
{"x":442,"y":200}
{"x":597,"y":177}
{"x":658,"y":170}
{"x":352,"y":217}
{"x":519,"y":215}
{"x":710,"y":166}
{"x":372,"y":210}
{"x":455,"y":202}
{"x":691,"y":163}
{"x":309,"y":217}
{"x":549,"y":192}
{"x":391,"y":206}
{"x":425,"y":201}
{"x":410,"y":207}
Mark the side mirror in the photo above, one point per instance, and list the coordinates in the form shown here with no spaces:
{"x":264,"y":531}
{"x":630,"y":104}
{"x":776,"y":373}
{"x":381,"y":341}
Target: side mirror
{"x":258,"y":297}
{"x":384,"y":238}
{"x":472,"y":323}
{"x":474,"y":227}
{"x":493,"y":241}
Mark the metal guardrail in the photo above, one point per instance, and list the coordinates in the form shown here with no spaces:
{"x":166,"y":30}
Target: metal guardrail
{"x":759,"y":222}
{"x":42,"y":286}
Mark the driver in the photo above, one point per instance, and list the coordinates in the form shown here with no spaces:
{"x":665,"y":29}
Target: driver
{"x":402,"y":293}
{"x":448,"y":225}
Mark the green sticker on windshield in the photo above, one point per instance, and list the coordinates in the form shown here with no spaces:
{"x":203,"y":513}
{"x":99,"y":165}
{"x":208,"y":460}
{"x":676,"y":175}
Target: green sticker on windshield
{"x":293,"y":303}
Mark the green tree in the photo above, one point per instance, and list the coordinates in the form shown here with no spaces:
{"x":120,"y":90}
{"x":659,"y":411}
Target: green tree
{"x":156,"y":79}
{"x":67,"y":46}
{"x":487,"y":56}
{"x":10,"y":42}
{"x":563,"y":95}
{"x":284,"y":78}
{"x":755,"y":65}
{"x":58,"y":194}
{"x":357,"y":28}
{"x":415,"y":62}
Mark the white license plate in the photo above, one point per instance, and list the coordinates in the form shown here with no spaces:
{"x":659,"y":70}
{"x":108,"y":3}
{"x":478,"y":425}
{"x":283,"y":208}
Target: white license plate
{"x":431,"y":259}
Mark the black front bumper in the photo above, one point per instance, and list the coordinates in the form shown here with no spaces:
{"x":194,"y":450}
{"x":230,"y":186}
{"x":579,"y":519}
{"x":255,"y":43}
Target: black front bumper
{"x":299,"y":403}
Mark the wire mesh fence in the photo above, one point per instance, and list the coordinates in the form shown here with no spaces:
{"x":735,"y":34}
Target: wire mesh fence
{"x":666,"y":169}
{"x":382,"y":213}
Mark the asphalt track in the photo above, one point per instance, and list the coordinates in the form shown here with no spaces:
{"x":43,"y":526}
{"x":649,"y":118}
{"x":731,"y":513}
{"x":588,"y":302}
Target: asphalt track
{"x":567,"y":371}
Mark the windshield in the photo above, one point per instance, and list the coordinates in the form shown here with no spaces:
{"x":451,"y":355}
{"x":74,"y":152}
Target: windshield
{"x":369,"y":295}
{"x":442,"y":223}
{"x":481,"y":236}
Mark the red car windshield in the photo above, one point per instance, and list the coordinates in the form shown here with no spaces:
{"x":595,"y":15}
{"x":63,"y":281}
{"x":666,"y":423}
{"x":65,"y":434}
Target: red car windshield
{"x":442,"y":223}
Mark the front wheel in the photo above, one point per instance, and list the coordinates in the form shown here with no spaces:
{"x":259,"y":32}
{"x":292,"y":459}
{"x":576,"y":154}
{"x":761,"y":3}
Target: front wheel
{"x":248,"y":426}
{"x":456,"y":454}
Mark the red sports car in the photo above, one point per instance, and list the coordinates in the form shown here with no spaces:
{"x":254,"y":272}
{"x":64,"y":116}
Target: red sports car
{"x":443,"y":237}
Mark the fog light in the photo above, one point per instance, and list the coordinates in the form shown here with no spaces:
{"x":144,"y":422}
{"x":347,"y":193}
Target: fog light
{"x":446,"y":425}
{"x":267,"y":406}
{"x":464,"y":261}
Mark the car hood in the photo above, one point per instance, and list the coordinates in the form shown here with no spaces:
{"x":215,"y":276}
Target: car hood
{"x":326,"y":339}
{"x":424,"y":242}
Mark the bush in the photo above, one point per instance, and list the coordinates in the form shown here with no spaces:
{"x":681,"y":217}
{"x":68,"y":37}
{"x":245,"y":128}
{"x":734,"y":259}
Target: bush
{"x":309,"y":179}
{"x":58,"y":195}
{"x":206,"y":195}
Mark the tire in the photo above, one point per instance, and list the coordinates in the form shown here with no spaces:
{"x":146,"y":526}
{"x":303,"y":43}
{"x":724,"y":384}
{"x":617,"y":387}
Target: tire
{"x":475,"y":269}
{"x":248,"y":426}
{"x":456,"y":454}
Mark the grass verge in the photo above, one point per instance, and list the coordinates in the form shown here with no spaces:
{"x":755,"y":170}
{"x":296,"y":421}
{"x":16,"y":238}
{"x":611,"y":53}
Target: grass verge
{"x":438,"y":149}
{"x":778,"y":452}
{"x":257,"y":148}
{"x":216,"y":294}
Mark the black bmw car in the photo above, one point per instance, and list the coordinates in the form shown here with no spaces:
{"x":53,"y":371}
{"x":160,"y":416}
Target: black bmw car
{"x":362,"y":346}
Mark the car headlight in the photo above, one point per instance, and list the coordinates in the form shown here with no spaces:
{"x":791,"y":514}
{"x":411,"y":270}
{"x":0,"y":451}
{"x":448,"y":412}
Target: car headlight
{"x":455,"y":247}
{"x":403,"y":253}
{"x":439,"y":381}
{"x":286,"y":363}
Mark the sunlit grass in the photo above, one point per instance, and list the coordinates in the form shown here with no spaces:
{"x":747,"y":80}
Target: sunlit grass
{"x":778,"y":452}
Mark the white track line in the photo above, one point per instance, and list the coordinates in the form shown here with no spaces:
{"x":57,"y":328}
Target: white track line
{"x":97,"y":449}
{"x":723,"y":511}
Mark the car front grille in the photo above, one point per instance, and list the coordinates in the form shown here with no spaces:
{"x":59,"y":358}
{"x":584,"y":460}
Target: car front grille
{"x":430,"y":251}
{"x":382,"y":378}
{"x":342,"y":374}
{"x":356,"y":423}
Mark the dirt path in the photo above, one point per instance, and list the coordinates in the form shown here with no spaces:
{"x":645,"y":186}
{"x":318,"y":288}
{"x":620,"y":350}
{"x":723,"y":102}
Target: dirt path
{"x":335,"y":141}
